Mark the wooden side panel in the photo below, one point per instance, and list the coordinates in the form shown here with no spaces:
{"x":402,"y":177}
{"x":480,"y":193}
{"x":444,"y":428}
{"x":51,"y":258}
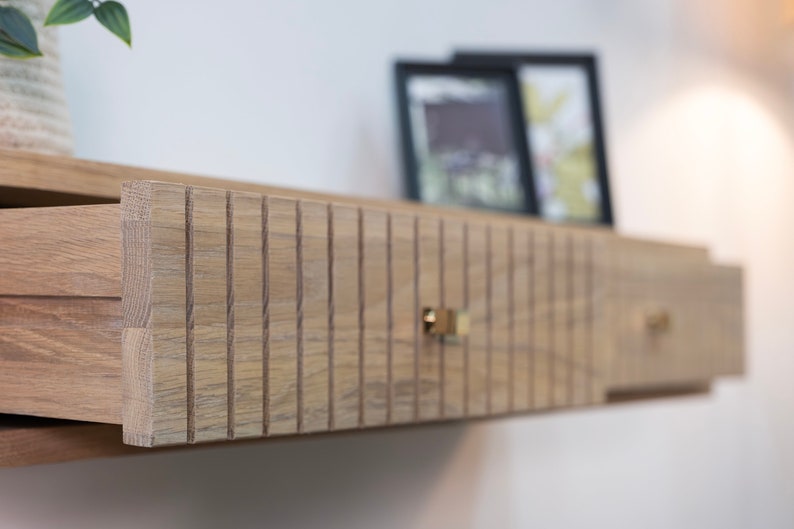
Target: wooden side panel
{"x":344,"y":318}
{"x":453,"y":268}
{"x":313,"y":316}
{"x":60,"y":357}
{"x":543,"y":292}
{"x":405,"y":319}
{"x":206,"y":338}
{"x":477,"y":343}
{"x":282,"y":357}
{"x":375,"y":318}
{"x":154,"y":312}
{"x":246,"y":329}
{"x":61,"y":252}
{"x":500,"y":299}
{"x":520,"y":310}
{"x":429,"y":356}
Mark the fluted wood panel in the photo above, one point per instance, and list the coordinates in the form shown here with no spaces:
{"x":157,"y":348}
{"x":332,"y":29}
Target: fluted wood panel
{"x":274,"y":316}
{"x":453,"y":284}
{"x":244,"y":320}
{"x":244,"y":334}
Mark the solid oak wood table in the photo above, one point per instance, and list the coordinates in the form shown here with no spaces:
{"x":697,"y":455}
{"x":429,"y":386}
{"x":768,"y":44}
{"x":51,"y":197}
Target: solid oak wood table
{"x":156,"y":309}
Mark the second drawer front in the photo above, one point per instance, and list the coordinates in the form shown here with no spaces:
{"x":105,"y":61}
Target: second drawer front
{"x":666,"y":316}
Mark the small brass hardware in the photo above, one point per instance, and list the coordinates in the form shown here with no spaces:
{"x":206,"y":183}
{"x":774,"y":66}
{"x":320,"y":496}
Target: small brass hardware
{"x":658,"y":321}
{"x":446,"y":322}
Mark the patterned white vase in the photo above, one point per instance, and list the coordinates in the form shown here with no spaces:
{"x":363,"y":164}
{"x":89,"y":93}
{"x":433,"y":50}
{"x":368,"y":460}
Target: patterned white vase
{"x":33,"y":111}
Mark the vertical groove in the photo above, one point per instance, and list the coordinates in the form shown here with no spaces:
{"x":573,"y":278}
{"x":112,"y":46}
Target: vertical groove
{"x":389,"y":318}
{"x":361,"y":323}
{"x":299,"y":307}
{"x":466,"y":305}
{"x":442,"y":346}
{"x":230,"y":383}
{"x":489,"y":318}
{"x":569,"y":324}
{"x":588,"y":316}
{"x":417,"y":319}
{"x":551,"y":308}
{"x":330,"y":215}
{"x":511,"y":305}
{"x":265,"y":316}
{"x":531,"y":321}
{"x":190,"y":322}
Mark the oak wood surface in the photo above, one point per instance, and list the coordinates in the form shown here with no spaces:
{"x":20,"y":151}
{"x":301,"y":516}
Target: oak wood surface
{"x":154,"y":343}
{"x":245,"y":332}
{"x":70,"y":251}
{"x":374,"y":306}
{"x":344,"y":318}
{"x":429,"y":368}
{"x":60,"y":357}
{"x":288,"y":312}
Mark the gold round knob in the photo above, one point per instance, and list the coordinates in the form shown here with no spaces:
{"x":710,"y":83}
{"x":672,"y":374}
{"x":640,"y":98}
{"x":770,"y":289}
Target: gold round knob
{"x":658,"y":321}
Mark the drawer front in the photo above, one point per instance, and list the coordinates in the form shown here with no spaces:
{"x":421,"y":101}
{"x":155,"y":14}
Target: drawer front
{"x":248,"y":316}
{"x":677,"y":317}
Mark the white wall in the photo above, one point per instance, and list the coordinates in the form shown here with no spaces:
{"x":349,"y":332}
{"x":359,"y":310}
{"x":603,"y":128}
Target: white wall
{"x":298,"y":93}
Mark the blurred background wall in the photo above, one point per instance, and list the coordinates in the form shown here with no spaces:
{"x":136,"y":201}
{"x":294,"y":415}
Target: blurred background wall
{"x":698,"y":111}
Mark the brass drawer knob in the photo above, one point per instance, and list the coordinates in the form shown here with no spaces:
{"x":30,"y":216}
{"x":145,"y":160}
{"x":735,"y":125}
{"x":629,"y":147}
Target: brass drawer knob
{"x":658,"y":321}
{"x":446,"y":322}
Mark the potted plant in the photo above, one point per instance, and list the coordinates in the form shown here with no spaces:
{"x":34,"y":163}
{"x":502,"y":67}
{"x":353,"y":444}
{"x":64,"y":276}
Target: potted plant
{"x":33,"y":112}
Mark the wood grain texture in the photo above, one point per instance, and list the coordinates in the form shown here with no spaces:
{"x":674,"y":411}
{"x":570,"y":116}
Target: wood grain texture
{"x":542,"y":303}
{"x":154,"y":307}
{"x":522,"y":315}
{"x":223,"y":275}
{"x":500,"y":321}
{"x":344,"y":318}
{"x":246,"y":340}
{"x":207,"y":354}
{"x":429,"y":355}
{"x":282,"y":354}
{"x":654,"y":279}
{"x":374,"y":322}
{"x":314,"y":308}
{"x":477,"y":298}
{"x":561,"y":297}
{"x":57,"y":442}
{"x":452,"y":296}
{"x":247,"y":315}
{"x":61,"y":252}
{"x":60,"y":357}
{"x":405,"y":326}
{"x":580,"y":321}
{"x":601,"y":316}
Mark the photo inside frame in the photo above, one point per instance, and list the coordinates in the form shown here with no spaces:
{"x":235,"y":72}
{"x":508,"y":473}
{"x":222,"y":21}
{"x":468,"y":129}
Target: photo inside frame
{"x":463,"y":142}
{"x":561,"y":132}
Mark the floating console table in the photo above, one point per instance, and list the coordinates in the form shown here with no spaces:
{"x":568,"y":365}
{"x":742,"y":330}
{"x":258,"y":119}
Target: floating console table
{"x":187,"y":313}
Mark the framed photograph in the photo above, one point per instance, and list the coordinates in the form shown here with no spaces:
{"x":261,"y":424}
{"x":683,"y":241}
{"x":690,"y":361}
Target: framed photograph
{"x":463,"y":137}
{"x":564,"y":130}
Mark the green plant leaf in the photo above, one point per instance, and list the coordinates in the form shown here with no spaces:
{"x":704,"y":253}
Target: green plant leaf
{"x":113,"y":16}
{"x":15,"y":28}
{"x":69,"y":12}
{"x":10,"y":49}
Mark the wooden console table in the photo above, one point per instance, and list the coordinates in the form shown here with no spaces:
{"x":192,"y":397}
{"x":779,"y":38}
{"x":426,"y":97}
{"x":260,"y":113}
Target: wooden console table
{"x":182,"y":310}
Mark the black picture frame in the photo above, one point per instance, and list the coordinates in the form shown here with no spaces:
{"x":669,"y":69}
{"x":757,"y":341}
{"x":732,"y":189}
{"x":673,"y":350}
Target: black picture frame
{"x":505,"y":75}
{"x":587,"y":62}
